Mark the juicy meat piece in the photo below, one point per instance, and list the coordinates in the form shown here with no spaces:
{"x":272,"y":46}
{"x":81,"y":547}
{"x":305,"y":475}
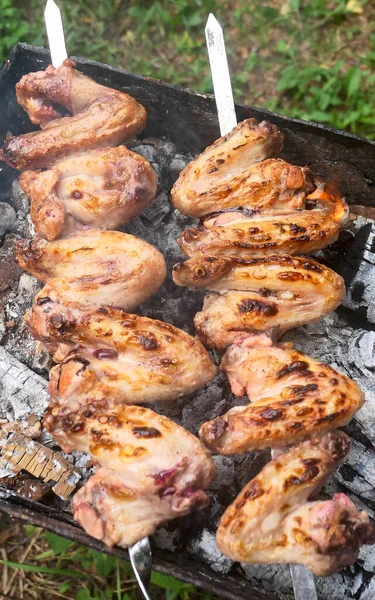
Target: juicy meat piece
{"x":224,"y":163}
{"x":271,"y":521}
{"x":243,"y":234}
{"x":132,"y":359}
{"x":152,"y":469}
{"x":272,"y":293}
{"x":270,"y":184}
{"x":101,"y":117}
{"x":100,"y":188}
{"x":293,"y":397}
{"x":94,"y":267}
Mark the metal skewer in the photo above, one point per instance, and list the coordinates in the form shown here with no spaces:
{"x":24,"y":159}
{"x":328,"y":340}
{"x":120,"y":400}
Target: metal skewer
{"x":302,"y":579}
{"x":140,"y":553}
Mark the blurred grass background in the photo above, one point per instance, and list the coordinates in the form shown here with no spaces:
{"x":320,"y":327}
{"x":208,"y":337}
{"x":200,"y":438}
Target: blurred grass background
{"x":312,"y":59}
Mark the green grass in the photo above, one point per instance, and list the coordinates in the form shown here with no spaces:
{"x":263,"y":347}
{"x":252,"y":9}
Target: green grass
{"x":312,"y":59}
{"x":53,"y":567}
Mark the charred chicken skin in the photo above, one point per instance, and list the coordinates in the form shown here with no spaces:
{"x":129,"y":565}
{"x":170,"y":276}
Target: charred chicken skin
{"x":152,"y":470}
{"x":273,"y":521}
{"x":292,"y":397}
{"x":94,"y":267}
{"x":109,"y":352}
{"x":104,"y":188}
{"x":243,"y":234}
{"x":255,"y":216}
{"x":101,"y":116}
{"x":263,"y":294}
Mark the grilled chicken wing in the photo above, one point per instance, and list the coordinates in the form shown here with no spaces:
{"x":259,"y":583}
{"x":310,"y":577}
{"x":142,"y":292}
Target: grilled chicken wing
{"x":271,"y":520}
{"x":243,"y":234}
{"x":130,"y":358}
{"x":270,"y":184}
{"x":102,"y":188}
{"x":152,"y":469}
{"x":268,"y":294}
{"x":223,"y":163}
{"x":293,"y":397}
{"x":94,"y":267}
{"x":101,"y":117}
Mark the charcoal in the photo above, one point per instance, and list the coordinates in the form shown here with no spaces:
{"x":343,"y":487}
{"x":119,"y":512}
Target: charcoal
{"x":18,"y":199}
{"x":7,"y":217}
{"x":358,"y":270}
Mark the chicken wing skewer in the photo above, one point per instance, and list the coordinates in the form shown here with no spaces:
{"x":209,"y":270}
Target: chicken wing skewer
{"x":265,"y":213}
{"x":151,"y":470}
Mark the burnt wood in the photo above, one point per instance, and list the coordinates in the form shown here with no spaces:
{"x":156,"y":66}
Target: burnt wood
{"x":189,"y":120}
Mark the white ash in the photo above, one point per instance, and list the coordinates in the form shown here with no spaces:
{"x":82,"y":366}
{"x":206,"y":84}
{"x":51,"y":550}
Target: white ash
{"x":204,"y":547}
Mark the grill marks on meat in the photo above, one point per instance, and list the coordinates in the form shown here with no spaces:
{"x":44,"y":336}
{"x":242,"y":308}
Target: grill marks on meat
{"x":272,"y":521}
{"x":152,"y":470}
{"x":292,"y":398}
{"x":101,"y":117}
{"x":110,"y":353}
{"x":214,"y":177}
{"x":241,"y":234}
{"x":104,"y":188}
{"x":270,"y":184}
{"x":263,"y":294}
{"x":94,"y":267}
{"x":264,"y":213}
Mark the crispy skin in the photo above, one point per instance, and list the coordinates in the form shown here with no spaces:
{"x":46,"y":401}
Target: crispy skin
{"x":101,"y":117}
{"x":152,"y":469}
{"x":266,"y":294}
{"x":222,"y":165}
{"x":129,"y":358}
{"x":270,"y":184}
{"x":94,"y":267}
{"x":271,"y":520}
{"x":102,"y":188}
{"x":244,"y":235}
{"x":293,"y":397}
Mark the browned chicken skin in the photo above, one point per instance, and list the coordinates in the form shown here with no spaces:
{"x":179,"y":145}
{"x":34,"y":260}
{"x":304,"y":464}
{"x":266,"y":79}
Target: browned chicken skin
{"x":104,"y":188}
{"x":94,"y":267}
{"x":292,"y":397}
{"x":206,"y":183}
{"x":101,"y":117}
{"x":270,"y":184}
{"x":267,"y":294}
{"x":272,"y":521}
{"x":110,"y":353}
{"x":243,"y":234}
{"x":152,"y":469}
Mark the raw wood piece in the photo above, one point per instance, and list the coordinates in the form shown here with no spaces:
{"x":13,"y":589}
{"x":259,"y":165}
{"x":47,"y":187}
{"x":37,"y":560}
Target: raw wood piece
{"x":38,"y":460}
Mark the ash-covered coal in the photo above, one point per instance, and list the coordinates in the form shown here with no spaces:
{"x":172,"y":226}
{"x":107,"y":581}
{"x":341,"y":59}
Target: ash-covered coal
{"x":334,"y":340}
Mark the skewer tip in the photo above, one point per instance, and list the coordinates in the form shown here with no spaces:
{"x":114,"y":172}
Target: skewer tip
{"x":212,"y":23}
